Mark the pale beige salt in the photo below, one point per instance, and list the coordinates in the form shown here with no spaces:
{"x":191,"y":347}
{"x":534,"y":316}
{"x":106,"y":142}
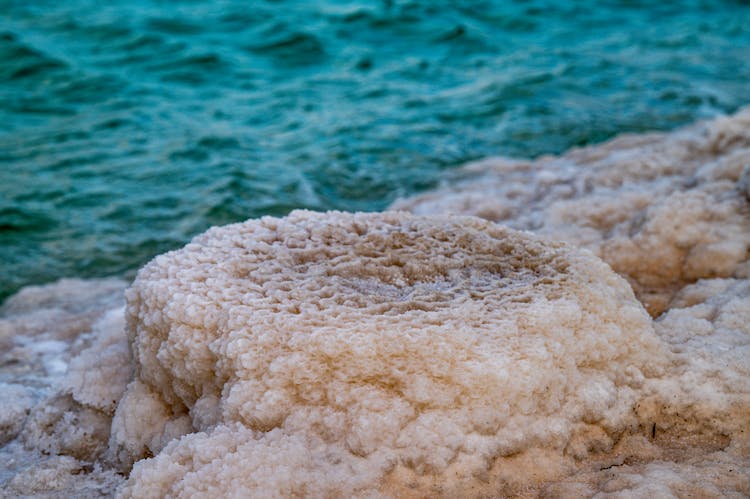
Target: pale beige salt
{"x":344,"y":354}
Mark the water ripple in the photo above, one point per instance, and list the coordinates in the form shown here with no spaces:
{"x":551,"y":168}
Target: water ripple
{"x":127,"y":127}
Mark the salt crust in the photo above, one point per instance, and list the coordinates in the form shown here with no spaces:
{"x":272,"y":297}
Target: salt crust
{"x":374,"y":342}
{"x":57,"y":426}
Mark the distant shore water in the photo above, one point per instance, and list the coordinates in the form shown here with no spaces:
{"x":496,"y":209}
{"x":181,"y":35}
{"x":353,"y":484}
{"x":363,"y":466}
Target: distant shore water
{"x":130,"y":127}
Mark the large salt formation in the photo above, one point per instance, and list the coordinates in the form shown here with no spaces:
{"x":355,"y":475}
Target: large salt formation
{"x":340,"y":353}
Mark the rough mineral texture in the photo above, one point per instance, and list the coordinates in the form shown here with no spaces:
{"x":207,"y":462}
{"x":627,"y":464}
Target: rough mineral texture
{"x":64,"y":364}
{"x":390,"y":345}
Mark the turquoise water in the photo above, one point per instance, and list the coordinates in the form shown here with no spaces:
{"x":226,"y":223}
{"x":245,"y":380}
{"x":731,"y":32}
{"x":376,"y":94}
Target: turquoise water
{"x":126,"y":127}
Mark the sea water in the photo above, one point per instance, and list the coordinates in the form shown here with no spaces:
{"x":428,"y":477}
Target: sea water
{"x":127,"y":127}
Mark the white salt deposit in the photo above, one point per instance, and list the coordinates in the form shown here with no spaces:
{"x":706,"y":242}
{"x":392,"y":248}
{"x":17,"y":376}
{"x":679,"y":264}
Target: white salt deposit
{"x":394,"y":345}
{"x":57,"y":426}
{"x":391,"y":355}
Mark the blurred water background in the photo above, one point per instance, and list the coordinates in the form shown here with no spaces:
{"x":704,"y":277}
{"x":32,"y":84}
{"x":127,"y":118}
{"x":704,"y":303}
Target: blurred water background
{"x":126,"y":127}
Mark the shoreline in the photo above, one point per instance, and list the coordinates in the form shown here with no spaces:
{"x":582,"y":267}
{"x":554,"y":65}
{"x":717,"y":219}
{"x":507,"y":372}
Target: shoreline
{"x":668,"y":211}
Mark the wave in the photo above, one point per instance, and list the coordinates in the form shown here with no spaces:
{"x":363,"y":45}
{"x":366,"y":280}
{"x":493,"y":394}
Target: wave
{"x":341,"y":106}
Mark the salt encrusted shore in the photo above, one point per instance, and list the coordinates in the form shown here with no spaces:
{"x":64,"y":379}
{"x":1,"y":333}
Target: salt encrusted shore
{"x":387,"y":354}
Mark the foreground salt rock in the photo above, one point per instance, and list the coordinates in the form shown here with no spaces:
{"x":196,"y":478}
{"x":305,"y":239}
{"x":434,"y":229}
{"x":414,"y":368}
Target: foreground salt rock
{"x":663,"y":209}
{"x":339,"y":354}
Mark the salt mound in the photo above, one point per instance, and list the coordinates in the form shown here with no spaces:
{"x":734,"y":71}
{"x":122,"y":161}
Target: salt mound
{"x":339,"y":353}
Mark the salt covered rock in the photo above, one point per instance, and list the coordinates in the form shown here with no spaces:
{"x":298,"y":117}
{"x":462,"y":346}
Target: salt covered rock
{"x":64,"y":365}
{"x":17,"y":401}
{"x":340,"y":353}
